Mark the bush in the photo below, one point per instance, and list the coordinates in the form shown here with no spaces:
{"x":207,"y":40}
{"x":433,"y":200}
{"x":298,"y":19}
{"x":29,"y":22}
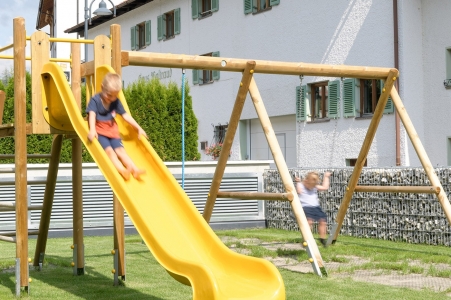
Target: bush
{"x":156,"y":107}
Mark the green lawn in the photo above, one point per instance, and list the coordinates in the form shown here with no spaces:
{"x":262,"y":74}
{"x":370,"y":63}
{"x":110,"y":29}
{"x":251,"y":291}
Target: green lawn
{"x":146,"y":279}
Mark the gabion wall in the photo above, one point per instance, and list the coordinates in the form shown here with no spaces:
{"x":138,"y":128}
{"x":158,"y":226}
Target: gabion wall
{"x":412,"y":218}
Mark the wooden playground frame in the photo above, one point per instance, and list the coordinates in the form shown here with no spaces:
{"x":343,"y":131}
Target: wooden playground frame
{"x":108,"y":51}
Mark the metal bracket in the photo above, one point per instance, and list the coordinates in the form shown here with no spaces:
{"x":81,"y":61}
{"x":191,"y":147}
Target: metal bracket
{"x":115,"y":267}
{"x":41,"y":260}
{"x":312,"y":259}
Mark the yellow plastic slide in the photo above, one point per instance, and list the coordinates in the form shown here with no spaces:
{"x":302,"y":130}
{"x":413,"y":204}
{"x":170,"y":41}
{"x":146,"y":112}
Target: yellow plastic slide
{"x":167,"y":220}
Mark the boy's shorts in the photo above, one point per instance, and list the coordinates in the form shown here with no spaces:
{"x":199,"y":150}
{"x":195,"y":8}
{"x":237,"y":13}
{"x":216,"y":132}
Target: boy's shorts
{"x":109,"y":142}
{"x":315,"y":213}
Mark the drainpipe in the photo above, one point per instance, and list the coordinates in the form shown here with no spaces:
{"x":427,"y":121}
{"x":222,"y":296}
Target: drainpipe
{"x":396,"y":55}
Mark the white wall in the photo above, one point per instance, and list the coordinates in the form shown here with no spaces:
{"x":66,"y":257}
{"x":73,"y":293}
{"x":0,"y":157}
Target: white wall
{"x":351,"y":32}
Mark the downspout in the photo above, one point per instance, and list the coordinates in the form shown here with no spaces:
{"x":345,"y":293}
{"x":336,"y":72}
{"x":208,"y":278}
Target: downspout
{"x":396,"y":56}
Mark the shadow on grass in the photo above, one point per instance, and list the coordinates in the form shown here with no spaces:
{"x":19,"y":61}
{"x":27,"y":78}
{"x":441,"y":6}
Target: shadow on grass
{"x":91,"y":285}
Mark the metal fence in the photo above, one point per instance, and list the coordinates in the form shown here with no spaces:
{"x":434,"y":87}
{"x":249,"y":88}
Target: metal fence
{"x":412,"y":218}
{"x":98,"y":205}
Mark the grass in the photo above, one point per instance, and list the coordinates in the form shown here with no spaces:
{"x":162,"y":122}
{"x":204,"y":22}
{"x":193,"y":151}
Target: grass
{"x":146,"y":279}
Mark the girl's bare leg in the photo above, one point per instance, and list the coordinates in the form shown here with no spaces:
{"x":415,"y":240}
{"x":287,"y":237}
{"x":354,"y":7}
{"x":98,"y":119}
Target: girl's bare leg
{"x":128,"y":162}
{"x":117,"y":163}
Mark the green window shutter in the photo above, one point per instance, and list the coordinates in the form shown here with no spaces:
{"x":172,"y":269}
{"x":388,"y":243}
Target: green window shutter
{"x":214,"y":5}
{"x":195,"y":9}
{"x":160,"y":27}
{"x":248,"y":6}
{"x":177,"y":21}
{"x":274,"y":2}
{"x":195,"y":76}
{"x":201,"y":76}
{"x":389,"y":107}
{"x":133,"y":38}
{"x":334,"y":99}
{"x":301,"y":111}
{"x":215,"y":72}
{"x":349,"y":97}
{"x":147,"y":28}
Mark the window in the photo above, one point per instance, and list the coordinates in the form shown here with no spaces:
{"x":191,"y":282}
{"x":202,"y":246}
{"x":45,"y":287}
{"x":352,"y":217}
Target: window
{"x":370,"y":91}
{"x":447,"y":81}
{"x":219,"y":134}
{"x":140,"y":35}
{"x":168,"y":24}
{"x":319,"y":100}
{"x":203,"y":8}
{"x":350,"y":162}
{"x":319,"y":96}
{"x":206,"y":76}
{"x":203,"y":145}
{"x":256,"y":6}
{"x":361,"y":96}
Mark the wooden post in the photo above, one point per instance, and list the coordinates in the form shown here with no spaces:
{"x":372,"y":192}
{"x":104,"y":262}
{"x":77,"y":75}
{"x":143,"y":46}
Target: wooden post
{"x":47,"y":203}
{"x":102,"y":56}
{"x":422,"y":155}
{"x":393,"y":74}
{"x":118,"y":210}
{"x":228,"y":140}
{"x":283,"y":171}
{"x":40,"y":46}
{"x":77,"y":179}
{"x":2,"y":105}
{"x":20,"y":145}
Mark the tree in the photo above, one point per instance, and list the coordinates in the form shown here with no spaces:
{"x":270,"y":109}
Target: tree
{"x":157,"y":108}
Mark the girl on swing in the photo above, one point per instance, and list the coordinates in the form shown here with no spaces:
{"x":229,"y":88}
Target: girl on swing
{"x":308,"y":195}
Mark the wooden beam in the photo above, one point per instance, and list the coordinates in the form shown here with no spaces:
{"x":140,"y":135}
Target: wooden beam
{"x":397,"y":189}
{"x":11,"y":240}
{"x":125,"y":59}
{"x":284,"y":173}
{"x":256,"y":196}
{"x":421,"y":152}
{"x":13,"y":233}
{"x":20,"y":148}
{"x":371,"y":132}
{"x":151,"y":59}
{"x":228,"y":140}
{"x":87,"y":69}
{"x":47,"y":202}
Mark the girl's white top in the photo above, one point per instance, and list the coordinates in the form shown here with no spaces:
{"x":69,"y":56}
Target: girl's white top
{"x":308,"y":197}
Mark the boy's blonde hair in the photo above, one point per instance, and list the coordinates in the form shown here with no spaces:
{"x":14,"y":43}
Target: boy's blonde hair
{"x":112,"y":82}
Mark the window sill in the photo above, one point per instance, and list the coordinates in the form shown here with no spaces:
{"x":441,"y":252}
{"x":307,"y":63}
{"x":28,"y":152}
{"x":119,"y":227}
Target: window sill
{"x":205,"y":15}
{"x":144,"y":47}
{"x":324,"y":120}
{"x":169,"y":38}
{"x":262,"y":10}
{"x":206,"y":83}
{"x":364,"y":117}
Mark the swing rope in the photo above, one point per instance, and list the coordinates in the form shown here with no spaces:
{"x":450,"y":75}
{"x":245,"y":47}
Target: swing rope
{"x":183,"y":128}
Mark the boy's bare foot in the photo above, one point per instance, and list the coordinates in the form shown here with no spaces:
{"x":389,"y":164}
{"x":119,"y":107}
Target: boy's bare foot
{"x":125,"y":174}
{"x":137,"y":173}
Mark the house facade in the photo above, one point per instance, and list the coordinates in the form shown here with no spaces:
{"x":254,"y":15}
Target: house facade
{"x":318,"y":121}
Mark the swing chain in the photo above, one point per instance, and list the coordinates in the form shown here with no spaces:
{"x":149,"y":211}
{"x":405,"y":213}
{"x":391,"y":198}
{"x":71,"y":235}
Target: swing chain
{"x":300,"y":80}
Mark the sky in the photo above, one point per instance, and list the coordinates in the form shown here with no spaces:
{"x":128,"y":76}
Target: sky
{"x":10,"y":9}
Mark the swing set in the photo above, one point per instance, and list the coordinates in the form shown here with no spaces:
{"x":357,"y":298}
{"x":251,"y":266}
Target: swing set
{"x":166,"y":219}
